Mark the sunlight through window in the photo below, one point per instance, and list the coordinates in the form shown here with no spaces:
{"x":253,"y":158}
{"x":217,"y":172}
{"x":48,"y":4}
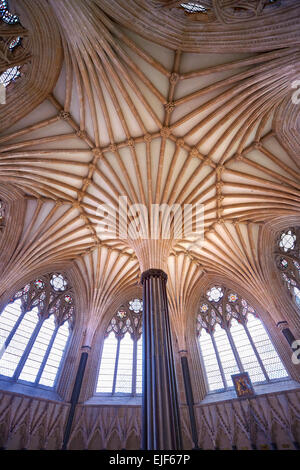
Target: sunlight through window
{"x":34,"y":331}
{"x":120,"y":370}
{"x":232,"y":339}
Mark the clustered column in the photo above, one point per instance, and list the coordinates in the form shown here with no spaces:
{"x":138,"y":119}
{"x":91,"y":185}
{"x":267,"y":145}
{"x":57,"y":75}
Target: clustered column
{"x":160,"y":410}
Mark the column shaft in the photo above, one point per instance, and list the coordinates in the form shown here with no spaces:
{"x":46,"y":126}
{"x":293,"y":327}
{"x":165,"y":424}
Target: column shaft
{"x":75,"y":397}
{"x":160,"y":410}
{"x":284,"y":328}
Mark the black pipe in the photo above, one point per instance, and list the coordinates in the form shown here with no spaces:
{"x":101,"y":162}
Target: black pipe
{"x":160,"y":408}
{"x":74,"y":397}
{"x":282,"y":325}
{"x":189,"y":398}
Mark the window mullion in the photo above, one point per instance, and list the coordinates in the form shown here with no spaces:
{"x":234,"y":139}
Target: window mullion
{"x":45,"y":358}
{"x":27,"y":349}
{"x":235,"y":351}
{"x":134,"y":367}
{"x":219,"y":361}
{"x":256,"y":352}
{"x":116,"y":366}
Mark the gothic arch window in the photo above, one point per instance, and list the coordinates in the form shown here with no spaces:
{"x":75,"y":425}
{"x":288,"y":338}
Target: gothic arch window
{"x":6,"y":15}
{"x":287,"y":256}
{"x":34,"y":330}
{"x":10,"y":75}
{"x":193,"y":7}
{"x":233,"y":339}
{"x":121,"y":362}
{"x":9,"y":46}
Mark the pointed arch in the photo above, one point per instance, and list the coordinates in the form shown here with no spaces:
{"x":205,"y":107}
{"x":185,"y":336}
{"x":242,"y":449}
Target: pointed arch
{"x":233,"y":339}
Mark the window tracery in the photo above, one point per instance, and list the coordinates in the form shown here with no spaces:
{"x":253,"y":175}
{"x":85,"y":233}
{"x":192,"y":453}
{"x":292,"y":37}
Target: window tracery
{"x":10,"y":75}
{"x":6,"y":15}
{"x":233,"y":339}
{"x":34,"y":330}
{"x":225,"y":11}
{"x":287,"y":257}
{"x":8,"y":47}
{"x":193,"y":7}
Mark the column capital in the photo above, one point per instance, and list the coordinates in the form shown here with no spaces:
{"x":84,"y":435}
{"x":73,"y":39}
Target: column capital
{"x":282,"y":325}
{"x":154,"y":273}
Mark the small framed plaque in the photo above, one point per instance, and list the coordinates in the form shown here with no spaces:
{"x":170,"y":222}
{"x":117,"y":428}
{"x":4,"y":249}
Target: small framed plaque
{"x":243,"y":385}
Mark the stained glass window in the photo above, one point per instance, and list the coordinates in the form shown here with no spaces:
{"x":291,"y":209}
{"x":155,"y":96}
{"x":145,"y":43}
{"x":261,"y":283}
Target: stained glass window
{"x":193,"y":7}
{"x":34,"y":331}
{"x":121,"y":363}
{"x":15,"y":43}
{"x":288,"y":261}
{"x":136,"y":305}
{"x":287,"y":241}
{"x":58,"y":282}
{"x":5,"y":14}
{"x":233,"y":339}
{"x":12,"y":73}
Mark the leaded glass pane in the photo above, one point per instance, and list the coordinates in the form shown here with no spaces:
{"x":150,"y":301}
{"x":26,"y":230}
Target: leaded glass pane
{"x":214,"y":294}
{"x":288,"y":261}
{"x":107,"y":366}
{"x":55,"y":357}
{"x":58,"y":282}
{"x":8,"y":319}
{"x":10,"y":75}
{"x":39,"y":302}
{"x":13,"y":353}
{"x":5,"y":14}
{"x":213,"y":374}
{"x":297,"y":295}
{"x":37,"y":353}
{"x":193,"y":7}
{"x":246,"y":353}
{"x":126,"y":327}
{"x":241,"y":341}
{"x":226,"y":354}
{"x":139,"y":367}
{"x":271,"y":361}
{"x":287,"y":240}
{"x":136,"y":305}
{"x":124,"y":373}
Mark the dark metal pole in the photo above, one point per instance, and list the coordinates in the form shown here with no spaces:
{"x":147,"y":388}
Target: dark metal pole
{"x":74,"y":397}
{"x":283,"y":326}
{"x":189,"y":398}
{"x":160,"y":409}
